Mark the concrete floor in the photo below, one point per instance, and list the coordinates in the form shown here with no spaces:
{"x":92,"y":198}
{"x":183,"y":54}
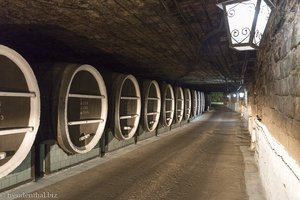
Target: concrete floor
{"x":204,"y":160}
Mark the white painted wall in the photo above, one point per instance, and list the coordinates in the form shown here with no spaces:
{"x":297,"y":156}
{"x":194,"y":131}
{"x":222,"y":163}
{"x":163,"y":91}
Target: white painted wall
{"x":279,"y":172}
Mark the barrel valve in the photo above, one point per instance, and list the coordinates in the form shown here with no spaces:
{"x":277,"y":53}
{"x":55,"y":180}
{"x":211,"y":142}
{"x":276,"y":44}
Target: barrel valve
{"x":2,"y":155}
{"x":84,"y":137}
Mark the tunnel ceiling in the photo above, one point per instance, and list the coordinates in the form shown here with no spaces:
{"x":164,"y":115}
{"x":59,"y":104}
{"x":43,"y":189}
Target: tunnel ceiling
{"x":182,"y":41}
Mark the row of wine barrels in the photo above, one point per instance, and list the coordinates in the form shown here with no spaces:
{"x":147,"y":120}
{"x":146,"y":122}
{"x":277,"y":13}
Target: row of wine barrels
{"x":198,"y":103}
{"x":19,"y":109}
{"x":83,"y":90}
{"x":202,"y":102}
{"x":81,"y":102}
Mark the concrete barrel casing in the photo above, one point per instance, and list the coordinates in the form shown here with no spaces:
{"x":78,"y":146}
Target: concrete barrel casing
{"x":152,"y":104}
{"x":81,"y":109}
{"x":179,"y":105}
{"x":168,"y":105}
{"x":127,"y":106}
{"x":187,"y":104}
{"x":19,"y":109}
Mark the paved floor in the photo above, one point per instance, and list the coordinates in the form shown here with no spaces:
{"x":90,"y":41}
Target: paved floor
{"x":201,"y":161}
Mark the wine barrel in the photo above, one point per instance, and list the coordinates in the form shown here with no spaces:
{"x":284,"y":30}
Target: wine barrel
{"x":168,"y":105}
{"x":187,"y":104}
{"x":179,"y":106}
{"x":198,"y":103}
{"x":127,"y":106}
{"x":152,"y":105}
{"x":194,"y":103}
{"x":82,"y":108}
{"x":19,"y":109}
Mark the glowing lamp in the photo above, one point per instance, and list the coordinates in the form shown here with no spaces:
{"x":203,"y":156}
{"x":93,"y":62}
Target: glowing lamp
{"x":246,"y":21}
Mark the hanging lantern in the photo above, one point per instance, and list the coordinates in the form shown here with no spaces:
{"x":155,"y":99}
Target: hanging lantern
{"x":246,"y":22}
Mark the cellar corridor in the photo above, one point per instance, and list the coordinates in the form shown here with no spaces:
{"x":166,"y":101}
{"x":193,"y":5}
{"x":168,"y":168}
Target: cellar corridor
{"x":201,"y":161}
{"x":150,"y":99}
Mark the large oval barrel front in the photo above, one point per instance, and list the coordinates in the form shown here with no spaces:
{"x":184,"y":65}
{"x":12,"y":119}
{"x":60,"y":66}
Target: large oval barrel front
{"x":179,"y":107}
{"x":187,"y":104}
{"x":198,"y":103}
{"x":127,"y":106}
{"x":168,"y":105}
{"x":194,"y":102}
{"x":152,"y":101}
{"x":19,"y":109}
{"x":82,"y":109}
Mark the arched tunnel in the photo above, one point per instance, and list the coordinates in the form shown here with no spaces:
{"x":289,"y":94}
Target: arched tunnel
{"x":149,"y":99}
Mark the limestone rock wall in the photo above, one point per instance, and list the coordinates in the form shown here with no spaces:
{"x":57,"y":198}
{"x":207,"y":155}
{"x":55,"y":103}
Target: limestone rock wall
{"x":275,"y":94}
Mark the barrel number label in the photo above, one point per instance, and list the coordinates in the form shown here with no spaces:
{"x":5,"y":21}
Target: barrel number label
{"x":1,"y":114}
{"x":84,"y":107}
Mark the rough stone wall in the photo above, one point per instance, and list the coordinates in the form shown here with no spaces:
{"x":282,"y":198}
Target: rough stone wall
{"x":275,"y":97}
